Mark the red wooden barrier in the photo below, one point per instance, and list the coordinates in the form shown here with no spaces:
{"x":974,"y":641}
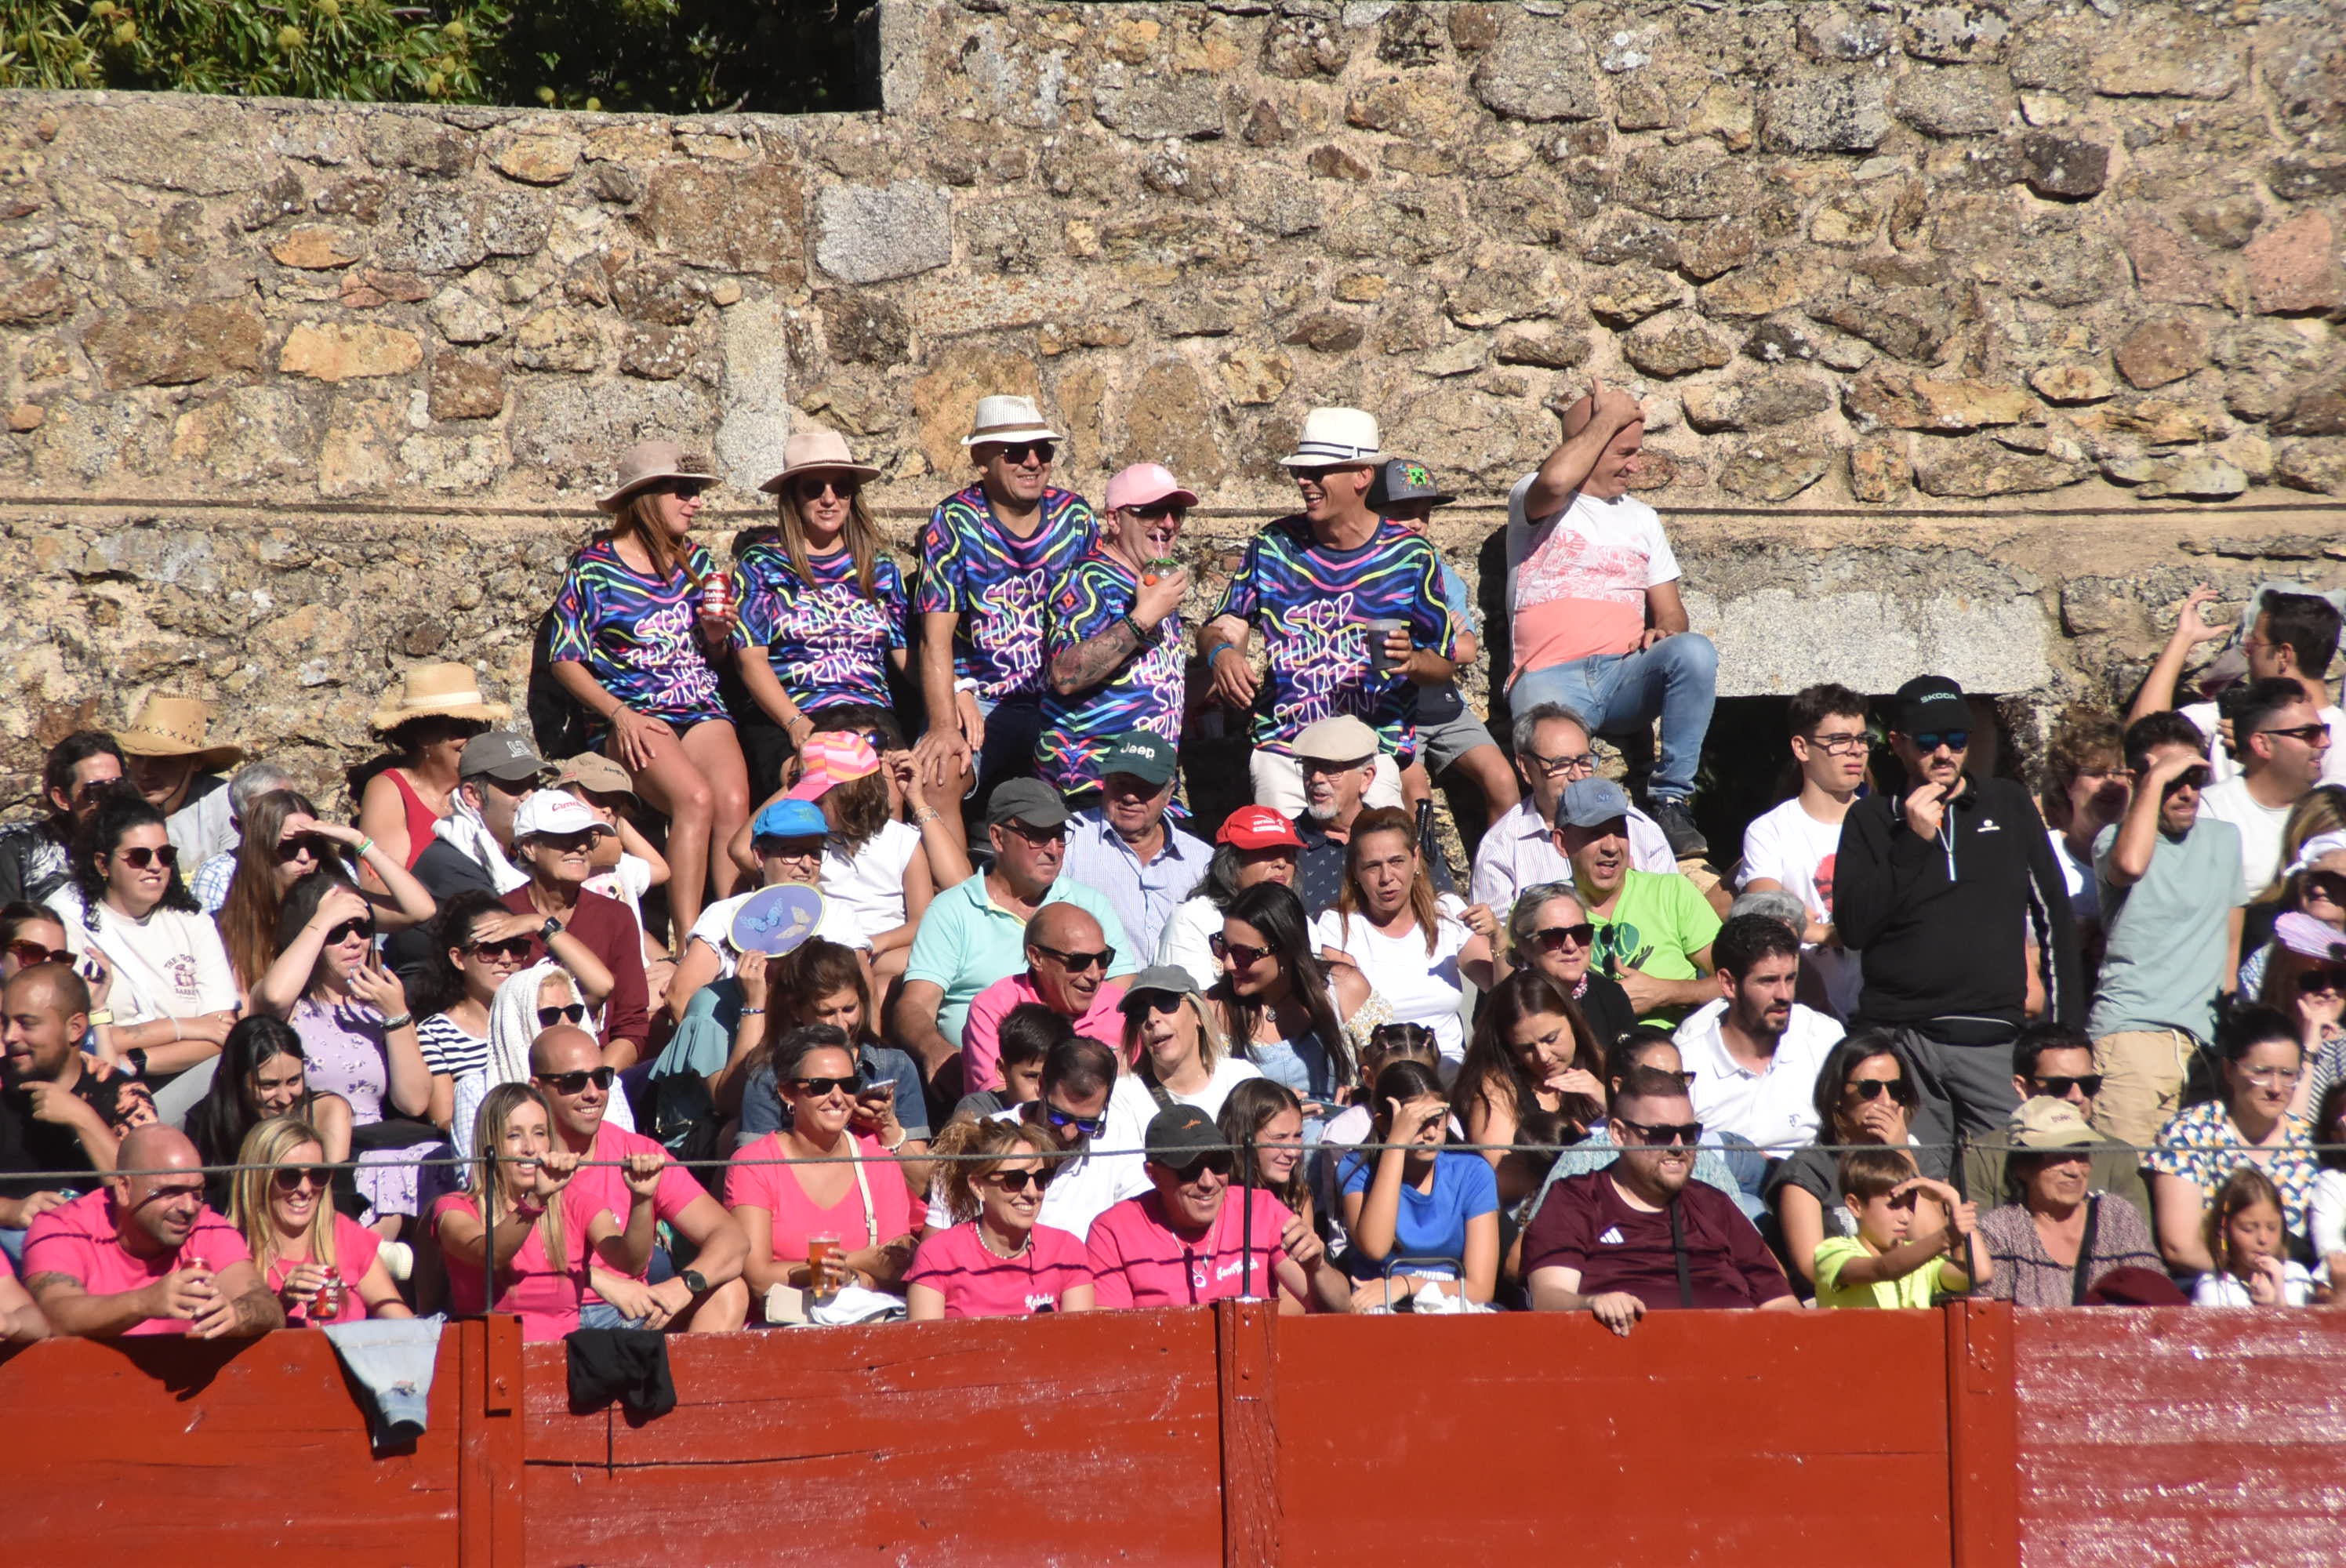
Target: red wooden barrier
{"x":1977,"y":1438}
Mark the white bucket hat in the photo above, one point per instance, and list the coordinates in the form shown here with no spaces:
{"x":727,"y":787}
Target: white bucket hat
{"x":1333,"y":437}
{"x":1003,"y":418}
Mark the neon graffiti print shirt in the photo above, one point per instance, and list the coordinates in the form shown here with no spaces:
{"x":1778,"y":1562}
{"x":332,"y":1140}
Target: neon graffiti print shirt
{"x":1308,"y":601}
{"x":1147,"y":693}
{"x":997,"y":583}
{"x":637,"y":635}
{"x":826,"y":643}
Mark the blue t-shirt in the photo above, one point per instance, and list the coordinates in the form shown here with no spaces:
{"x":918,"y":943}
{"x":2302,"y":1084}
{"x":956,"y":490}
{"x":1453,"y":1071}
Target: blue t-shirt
{"x":1146,"y":694}
{"x":997,"y":584}
{"x":828,"y":643}
{"x":1310,"y":602}
{"x":1430,"y":1224}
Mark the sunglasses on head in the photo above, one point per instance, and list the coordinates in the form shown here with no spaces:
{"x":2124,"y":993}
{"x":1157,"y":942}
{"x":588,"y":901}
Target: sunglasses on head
{"x":1238,"y":952}
{"x":513,"y":947}
{"x":845,"y":489}
{"x":302,"y":844}
{"x":364,"y":926}
{"x":1019,"y":1181}
{"x":1017,"y":453}
{"x":1552,"y":938}
{"x":1661,"y":1134}
{"x":1079,"y":962}
{"x":816,"y":1088}
{"x":1953,"y":740}
{"x":292,"y":1179}
{"x":575,"y":1083}
{"x":167,"y":856}
{"x":1092,"y":1127}
{"x":1872,"y":1088}
{"x":2086,"y":1083}
{"x":568,"y":1012}
{"x":29,"y":953}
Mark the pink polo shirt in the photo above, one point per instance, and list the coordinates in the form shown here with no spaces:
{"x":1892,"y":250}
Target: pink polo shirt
{"x":1139,"y":1259}
{"x":600,"y":1187}
{"x":355,"y":1253}
{"x":83,"y":1241}
{"x":975,"y":1283}
{"x":981,"y":1049}
{"x":795,"y":1217}
{"x":544,"y":1298}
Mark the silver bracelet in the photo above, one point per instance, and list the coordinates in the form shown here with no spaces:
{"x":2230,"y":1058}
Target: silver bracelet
{"x":401,"y":1021}
{"x":748,"y":1012}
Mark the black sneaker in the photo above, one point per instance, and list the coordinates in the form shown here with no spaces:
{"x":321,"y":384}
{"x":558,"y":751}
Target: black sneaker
{"x":1677,"y":824}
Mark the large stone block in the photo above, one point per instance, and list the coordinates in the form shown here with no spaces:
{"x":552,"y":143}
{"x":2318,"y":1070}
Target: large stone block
{"x":1902,"y":399}
{"x":871,"y":233}
{"x":173,"y":346}
{"x":338,"y":351}
{"x":1540,"y":69}
{"x":1159,"y":106}
{"x":1774,"y":641}
{"x":1824,"y":114}
{"x":1974,"y":468}
{"x":726,"y":219}
{"x":2295,"y":267}
{"x":2162,"y":350}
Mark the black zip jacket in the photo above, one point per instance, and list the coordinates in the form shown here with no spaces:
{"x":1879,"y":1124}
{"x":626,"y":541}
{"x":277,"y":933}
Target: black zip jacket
{"x":1944,"y":928}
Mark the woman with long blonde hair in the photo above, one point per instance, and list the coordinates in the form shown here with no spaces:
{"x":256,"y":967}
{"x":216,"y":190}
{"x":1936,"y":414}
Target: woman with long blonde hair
{"x":996,"y":1261}
{"x":323,"y":1266}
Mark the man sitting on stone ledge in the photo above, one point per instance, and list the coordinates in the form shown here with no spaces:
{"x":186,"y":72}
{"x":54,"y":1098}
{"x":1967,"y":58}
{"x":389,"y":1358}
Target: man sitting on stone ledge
{"x":1598,"y":625}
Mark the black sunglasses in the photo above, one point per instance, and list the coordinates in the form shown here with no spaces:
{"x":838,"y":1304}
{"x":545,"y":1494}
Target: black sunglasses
{"x":1662,"y":1134}
{"x":1019,"y":1181}
{"x":1953,"y":740}
{"x":1157,"y":510}
{"x":682,"y":487}
{"x":575,"y":1083}
{"x":1552,"y":938}
{"x":1238,"y":952}
{"x":2308,"y":733}
{"x":2086,"y":1083}
{"x":816,"y":1088}
{"x":514,"y":947}
{"x":1221,"y":1161}
{"x":362,"y":926}
{"x":1871,"y":1089}
{"x":1017,"y":453}
{"x":568,"y":1012}
{"x":29,"y":953}
{"x":289,"y":1178}
{"x":2192,"y":777}
{"x":2324,"y":978}
{"x":301,"y":844}
{"x":1165,"y":1002}
{"x":1079,"y":962}
{"x":845,"y":489}
{"x":142,"y":856}
{"x":2327,"y":884}
{"x":1092,"y":1126}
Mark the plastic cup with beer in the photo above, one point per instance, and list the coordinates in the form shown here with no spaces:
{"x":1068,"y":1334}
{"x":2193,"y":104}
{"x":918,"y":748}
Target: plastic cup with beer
{"x":819,"y":1249}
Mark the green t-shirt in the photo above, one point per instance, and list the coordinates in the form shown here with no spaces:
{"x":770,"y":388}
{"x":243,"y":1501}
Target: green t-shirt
{"x":1913,"y":1289}
{"x":1657,"y":925}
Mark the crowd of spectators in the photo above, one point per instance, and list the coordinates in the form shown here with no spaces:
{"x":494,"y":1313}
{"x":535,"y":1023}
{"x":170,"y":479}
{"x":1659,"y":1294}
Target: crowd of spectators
{"x":890,"y":944}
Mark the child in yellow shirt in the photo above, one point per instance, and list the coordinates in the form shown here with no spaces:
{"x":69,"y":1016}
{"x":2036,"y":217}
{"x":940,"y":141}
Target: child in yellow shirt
{"x":1887,"y":1263}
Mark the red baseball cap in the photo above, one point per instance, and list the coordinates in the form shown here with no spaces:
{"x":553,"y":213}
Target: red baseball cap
{"x":1257,"y":828}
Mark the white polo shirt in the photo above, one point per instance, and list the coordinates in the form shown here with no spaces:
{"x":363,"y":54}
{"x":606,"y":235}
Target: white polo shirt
{"x":1775,"y":1109}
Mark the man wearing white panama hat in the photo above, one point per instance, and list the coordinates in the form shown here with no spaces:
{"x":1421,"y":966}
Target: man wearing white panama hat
{"x":989,"y":558}
{"x":1352,"y":614}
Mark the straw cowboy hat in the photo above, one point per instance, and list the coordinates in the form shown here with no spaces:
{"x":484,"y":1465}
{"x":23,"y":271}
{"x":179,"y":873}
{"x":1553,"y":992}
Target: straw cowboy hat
{"x":174,"y":727}
{"x":817,"y":452}
{"x":648,"y":462}
{"x":1003,"y":418}
{"x":437,"y":691}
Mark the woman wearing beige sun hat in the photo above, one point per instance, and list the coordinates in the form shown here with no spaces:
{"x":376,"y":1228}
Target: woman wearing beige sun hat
{"x":425,"y":721}
{"x":642,"y":622}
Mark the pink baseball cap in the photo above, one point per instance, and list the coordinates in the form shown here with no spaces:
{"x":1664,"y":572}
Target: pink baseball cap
{"x":832,"y":756}
{"x":1145,"y":483}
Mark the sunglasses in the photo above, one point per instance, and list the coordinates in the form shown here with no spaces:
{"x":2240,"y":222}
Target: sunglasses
{"x":1662,"y":1134}
{"x":1157,"y":510}
{"x":2326,"y":885}
{"x":1019,"y":1181}
{"x":349,"y":928}
{"x":845,"y":489}
{"x":142,"y":856}
{"x":575,"y":1083}
{"x":1033,"y":835}
{"x":1092,"y":1126}
{"x":1953,"y":740}
{"x":816,"y":1088}
{"x":682,"y":487}
{"x":2323,"y":979}
{"x":1238,"y":953}
{"x":568,"y":1012}
{"x":2192,"y":777}
{"x":1079,"y":962}
{"x":1165,"y":1001}
{"x":1871,"y":1089}
{"x":1552,"y":938}
{"x":1221,"y":1161}
{"x":2308,"y":733}
{"x":1041,"y":451}
{"x":516,"y":948}
{"x":29,"y":953}
{"x":293,"y":1178}
{"x":301,"y":844}
{"x":2086,"y":1083}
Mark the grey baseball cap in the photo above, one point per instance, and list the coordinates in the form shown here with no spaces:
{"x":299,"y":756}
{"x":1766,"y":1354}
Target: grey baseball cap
{"x":500,"y":754}
{"x":1027,"y":801}
{"x":1590,"y":803}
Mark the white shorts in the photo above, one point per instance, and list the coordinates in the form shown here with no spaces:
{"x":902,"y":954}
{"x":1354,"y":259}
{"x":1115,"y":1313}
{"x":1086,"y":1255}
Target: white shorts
{"x":1279,"y":783}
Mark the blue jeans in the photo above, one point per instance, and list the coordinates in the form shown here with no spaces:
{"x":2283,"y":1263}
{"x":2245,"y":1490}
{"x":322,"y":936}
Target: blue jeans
{"x":1675,"y":681}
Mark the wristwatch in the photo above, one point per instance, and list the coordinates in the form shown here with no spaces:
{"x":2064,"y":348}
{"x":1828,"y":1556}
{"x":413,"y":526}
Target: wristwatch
{"x":695,"y":1281}
{"x":549,"y":931}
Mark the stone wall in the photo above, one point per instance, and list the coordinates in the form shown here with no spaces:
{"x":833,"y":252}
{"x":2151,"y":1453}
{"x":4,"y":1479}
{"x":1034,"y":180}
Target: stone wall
{"x":1971,"y":334}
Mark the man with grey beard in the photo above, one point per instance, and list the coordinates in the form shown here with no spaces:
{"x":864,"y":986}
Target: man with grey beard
{"x":1338,"y":757}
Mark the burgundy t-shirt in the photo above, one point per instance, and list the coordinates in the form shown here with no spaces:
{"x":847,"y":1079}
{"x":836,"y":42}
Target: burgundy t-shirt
{"x":1585,"y":1224}
{"x":610,"y":932}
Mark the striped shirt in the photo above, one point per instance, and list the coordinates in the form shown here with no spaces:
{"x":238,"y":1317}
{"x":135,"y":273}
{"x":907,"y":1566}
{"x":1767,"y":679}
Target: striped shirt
{"x":448,"y":1048}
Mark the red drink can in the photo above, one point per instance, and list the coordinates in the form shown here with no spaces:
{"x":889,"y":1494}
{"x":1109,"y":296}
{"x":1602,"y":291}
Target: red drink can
{"x":329,"y":1303}
{"x":716,"y":595}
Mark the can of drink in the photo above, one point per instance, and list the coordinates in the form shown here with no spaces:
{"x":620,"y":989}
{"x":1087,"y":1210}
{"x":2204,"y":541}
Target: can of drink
{"x":329,"y":1305}
{"x":716,"y":595}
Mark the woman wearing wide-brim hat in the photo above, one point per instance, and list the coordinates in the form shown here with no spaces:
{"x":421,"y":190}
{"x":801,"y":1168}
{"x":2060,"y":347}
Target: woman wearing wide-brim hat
{"x":822,"y":604}
{"x":167,"y":749}
{"x":425,"y":721}
{"x":636,"y":641}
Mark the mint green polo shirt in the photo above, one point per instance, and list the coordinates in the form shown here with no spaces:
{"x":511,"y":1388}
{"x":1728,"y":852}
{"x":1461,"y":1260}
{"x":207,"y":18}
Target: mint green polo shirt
{"x":967,"y":941}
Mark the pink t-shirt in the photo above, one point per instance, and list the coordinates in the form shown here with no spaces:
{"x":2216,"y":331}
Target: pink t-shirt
{"x":981,"y":1049}
{"x":1140,"y":1260}
{"x":598,"y":1187}
{"x":977,"y":1284}
{"x":83,"y":1241}
{"x":1576,"y":581}
{"x":354,"y":1251}
{"x":775,"y":1188}
{"x":544,"y":1298}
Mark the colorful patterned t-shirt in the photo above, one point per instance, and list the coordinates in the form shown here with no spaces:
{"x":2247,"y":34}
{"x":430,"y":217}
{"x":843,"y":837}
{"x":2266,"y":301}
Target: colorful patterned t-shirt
{"x":638,"y":636}
{"x":1311,"y":603}
{"x":996,"y":583}
{"x":1145,"y":694}
{"x":826,"y":643}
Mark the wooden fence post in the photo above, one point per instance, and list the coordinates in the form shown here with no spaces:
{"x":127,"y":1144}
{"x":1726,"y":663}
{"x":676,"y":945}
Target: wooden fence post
{"x":1250,"y":1505}
{"x":1982,"y":1436}
{"x":491,"y":1443}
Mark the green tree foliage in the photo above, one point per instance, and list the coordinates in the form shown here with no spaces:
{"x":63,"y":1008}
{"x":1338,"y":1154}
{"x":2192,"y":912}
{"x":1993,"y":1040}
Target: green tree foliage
{"x":677,"y":56}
